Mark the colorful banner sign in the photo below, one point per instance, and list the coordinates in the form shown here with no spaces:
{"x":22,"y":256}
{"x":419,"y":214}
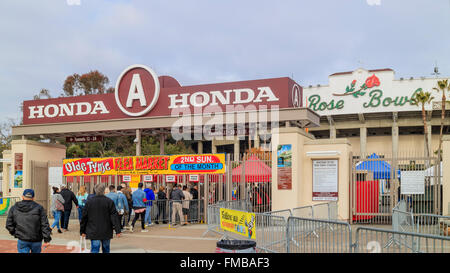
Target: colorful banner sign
{"x":4,"y":205}
{"x":239,"y":222}
{"x":284,"y":165}
{"x":160,"y":164}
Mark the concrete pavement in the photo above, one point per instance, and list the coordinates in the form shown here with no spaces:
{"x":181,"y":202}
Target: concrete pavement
{"x":160,"y":238}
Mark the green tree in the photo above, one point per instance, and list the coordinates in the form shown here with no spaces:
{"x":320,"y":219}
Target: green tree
{"x":443,"y":86}
{"x":421,"y":98}
{"x":93,"y":82}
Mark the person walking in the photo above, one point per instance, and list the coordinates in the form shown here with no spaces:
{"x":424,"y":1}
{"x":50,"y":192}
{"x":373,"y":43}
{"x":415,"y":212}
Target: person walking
{"x":82,"y":199}
{"x":139,"y":199}
{"x":186,"y":202}
{"x":194,"y":204}
{"x":98,"y":221}
{"x":27,"y":221}
{"x":150,"y":196}
{"x":127,"y":191}
{"x":122,"y":208}
{"x":112,"y":194}
{"x":177,"y":197}
{"x":57,"y":208}
{"x":69,"y":197}
{"x":161,"y":203}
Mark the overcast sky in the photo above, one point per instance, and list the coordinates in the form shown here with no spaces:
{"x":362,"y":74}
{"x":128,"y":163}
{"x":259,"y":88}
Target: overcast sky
{"x":199,"y":41}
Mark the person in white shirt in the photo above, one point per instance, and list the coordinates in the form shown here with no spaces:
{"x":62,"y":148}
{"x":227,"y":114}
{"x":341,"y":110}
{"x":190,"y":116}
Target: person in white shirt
{"x":186,"y":202}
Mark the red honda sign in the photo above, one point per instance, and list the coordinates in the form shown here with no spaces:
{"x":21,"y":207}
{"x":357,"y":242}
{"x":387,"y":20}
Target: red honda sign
{"x":139,"y":93}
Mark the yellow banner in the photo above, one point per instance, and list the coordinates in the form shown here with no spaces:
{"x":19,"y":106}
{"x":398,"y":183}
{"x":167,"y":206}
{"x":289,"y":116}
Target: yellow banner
{"x":159,"y":164}
{"x":239,"y":222}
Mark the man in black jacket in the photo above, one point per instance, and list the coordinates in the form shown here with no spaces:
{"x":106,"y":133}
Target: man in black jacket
{"x":98,"y":220}
{"x":69,"y":197}
{"x":28,"y":222}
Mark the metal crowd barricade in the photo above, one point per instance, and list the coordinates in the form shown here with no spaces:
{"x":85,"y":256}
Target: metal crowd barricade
{"x":285,"y":213}
{"x":335,"y":239}
{"x":270,"y":230}
{"x":303,"y":212}
{"x":372,"y":240}
{"x":402,"y":221}
{"x":432,"y":224}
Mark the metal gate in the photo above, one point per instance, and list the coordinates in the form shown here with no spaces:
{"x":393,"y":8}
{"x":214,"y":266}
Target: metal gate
{"x":39,"y":182}
{"x":376,"y":186}
{"x":248,"y":177}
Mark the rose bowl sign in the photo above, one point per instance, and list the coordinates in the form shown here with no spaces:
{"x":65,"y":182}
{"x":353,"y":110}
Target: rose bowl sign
{"x":139,"y":92}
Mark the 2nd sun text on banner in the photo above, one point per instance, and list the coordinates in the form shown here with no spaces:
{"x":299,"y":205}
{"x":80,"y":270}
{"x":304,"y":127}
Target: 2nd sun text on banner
{"x":173,"y":164}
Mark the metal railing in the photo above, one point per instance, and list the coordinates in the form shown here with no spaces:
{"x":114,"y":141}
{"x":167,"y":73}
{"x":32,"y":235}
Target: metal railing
{"x":308,"y":235}
{"x":432,"y":224}
{"x":270,"y":230}
{"x":285,"y":232}
{"x":376,"y":240}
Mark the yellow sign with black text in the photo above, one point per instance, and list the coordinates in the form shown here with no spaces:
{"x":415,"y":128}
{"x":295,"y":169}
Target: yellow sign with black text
{"x":239,"y":222}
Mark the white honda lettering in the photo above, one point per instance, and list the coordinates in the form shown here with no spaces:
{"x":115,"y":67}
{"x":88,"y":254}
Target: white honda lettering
{"x":65,"y":110}
{"x":36,"y":111}
{"x":238,"y":95}
{"x":265,"y":92}
{"x":136,"y":92}
{"x":99,"y":106}
{"x":195,"y":99}
{"x":174,"y":100}
{"x":80,"y":111}
{"x":48,"y":113}
{"x":217,"y":95}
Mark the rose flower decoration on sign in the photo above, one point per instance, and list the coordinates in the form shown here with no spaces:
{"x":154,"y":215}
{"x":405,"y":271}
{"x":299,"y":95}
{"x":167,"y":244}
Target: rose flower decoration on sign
{"x":370,"y":82}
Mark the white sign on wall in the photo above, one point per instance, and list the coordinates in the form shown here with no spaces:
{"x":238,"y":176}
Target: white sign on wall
{"x":126,"y":178}
{"x":148,"y":178}
{"x":325,"y":180}
{"x":55,"y":176}
{"x":412,"y":182}
{"x":194,"y":178}
{"x":170,"y":178}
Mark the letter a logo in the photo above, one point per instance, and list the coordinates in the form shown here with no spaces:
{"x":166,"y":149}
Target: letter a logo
{"x":296,"y":96}
{"x":137,"y":90}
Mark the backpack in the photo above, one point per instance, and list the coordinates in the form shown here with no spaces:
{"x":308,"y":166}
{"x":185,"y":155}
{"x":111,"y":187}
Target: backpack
{"x":58,"y":205}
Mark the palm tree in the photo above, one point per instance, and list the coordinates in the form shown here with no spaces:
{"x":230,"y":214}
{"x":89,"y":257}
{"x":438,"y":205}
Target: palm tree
{"x":423,"y":98}
{"x":442,"y":87}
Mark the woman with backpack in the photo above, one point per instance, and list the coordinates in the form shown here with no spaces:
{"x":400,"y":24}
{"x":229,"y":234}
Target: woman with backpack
{"x":57,"y":208}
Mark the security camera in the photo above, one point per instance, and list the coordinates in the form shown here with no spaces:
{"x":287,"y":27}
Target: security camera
{"x":135,"y":140}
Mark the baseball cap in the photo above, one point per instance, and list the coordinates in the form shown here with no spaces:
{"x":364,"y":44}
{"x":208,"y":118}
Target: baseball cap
{"x":28,"y":193}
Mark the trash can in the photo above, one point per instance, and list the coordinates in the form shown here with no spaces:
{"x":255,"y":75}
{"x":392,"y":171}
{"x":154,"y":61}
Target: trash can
{"x":236,"y":246}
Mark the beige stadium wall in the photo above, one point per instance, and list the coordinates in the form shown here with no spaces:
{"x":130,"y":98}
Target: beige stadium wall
{"x":32,"y":150}
{"x":343,"y":149}
{"x":301,"y":193}
{"x":288,"y":199}
{"x":413,"y":144}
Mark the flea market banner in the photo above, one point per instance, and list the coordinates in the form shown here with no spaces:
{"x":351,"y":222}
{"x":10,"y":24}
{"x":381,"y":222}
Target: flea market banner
{"x":239,"y":222}
{"x":159,"y":164}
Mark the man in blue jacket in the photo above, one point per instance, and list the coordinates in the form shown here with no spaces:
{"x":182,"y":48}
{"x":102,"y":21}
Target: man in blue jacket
{"x":150,"y":195}
{"x":139,"y":199}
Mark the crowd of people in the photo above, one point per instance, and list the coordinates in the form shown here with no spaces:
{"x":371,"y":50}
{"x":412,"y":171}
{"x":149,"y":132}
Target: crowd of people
{"x":99,"y":213}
